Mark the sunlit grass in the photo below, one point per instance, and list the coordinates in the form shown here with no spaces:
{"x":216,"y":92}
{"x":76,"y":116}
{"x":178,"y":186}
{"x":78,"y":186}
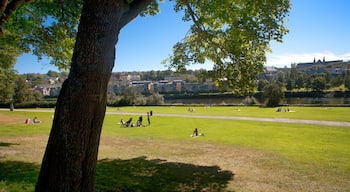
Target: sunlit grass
{"x":321,"y":145}
{"x":314,"y":113}
{"x":303,"y":148}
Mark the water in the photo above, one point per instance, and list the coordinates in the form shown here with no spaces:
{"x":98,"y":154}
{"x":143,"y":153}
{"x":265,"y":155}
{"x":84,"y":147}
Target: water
{"x":325,"y":101}
{"x":240,"y":101}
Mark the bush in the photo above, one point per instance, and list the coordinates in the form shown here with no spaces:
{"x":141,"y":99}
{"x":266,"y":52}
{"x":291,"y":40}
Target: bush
{"x":274,"y":94}
{"x":37,"y":104}
{"x":155,"y":99}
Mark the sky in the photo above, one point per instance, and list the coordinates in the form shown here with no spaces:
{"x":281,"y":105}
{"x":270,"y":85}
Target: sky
{"x":317,"y":29}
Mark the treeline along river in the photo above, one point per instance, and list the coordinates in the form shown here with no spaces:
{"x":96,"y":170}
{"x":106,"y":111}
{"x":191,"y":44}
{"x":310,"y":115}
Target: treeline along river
{"x":290,"y":98}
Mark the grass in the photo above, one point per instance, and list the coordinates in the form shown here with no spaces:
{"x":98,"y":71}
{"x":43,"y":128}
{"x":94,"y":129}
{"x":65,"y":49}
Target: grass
{"x":18,"y":176}
{"x":314,"y":113}
{"x":300,"y":142}
{"x":141,"y":174}
{"x":232,"y":156}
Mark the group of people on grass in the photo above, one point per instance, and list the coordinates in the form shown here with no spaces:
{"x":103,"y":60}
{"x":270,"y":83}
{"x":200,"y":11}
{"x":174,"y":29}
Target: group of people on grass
{"x":35,"y":120}
{"x":129,"y":123}
{"x":283,"y":110}
{"x":139,"y":123}
{"x":191,"y":110}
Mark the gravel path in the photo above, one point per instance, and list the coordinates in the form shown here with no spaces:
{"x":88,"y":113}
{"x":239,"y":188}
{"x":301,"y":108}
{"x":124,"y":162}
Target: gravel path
{"x":265,"y":119}
{"x":283,"y":120}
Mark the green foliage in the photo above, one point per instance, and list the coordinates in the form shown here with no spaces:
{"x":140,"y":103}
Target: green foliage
{"x":22,"y":93}
{"x":315,"y":77}
{"x":34,"y":79}
{"x":347,"y":79}
{"x":318,"y":84}
{"x":337,"y":81}
{"x":234,"y":35}
{"x":7,"y":84}
{"x":44,"y":28}
{"x":290,"y":84}
{"x":261,"y":84}
{"x":155,"y":99}
{"x":151,"y":9}
{"x":8,"y":50}
{"x":133,"y":97}
{"x":51,"y":73}
{"x":273,"y":93}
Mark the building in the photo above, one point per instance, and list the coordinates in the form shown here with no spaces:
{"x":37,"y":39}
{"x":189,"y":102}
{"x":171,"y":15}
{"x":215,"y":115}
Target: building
{"x":320,"y":66}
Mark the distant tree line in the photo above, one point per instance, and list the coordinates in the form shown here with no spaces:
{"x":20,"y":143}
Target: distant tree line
{"x":20,"y":89}
{"x":292,"y":79}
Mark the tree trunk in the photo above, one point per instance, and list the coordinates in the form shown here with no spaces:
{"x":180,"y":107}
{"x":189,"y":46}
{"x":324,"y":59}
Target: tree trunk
{"x":69,"y":162}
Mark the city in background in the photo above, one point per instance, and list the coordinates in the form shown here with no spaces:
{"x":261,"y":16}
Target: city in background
{"x":316,"y":82}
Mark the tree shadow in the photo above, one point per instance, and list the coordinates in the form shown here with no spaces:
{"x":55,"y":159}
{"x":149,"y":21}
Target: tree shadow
{"x":18,"y":176}
{"x":7,"y":144}
{"x":2,"y":144}
{"x":131,"y":175}
{"x":140,"y":174}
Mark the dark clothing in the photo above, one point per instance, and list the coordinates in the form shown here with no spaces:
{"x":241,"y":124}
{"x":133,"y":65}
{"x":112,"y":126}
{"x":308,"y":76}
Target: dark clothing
{"x":148,"y":118}
{"x":195,"y":132}
{"x":129,"y":123}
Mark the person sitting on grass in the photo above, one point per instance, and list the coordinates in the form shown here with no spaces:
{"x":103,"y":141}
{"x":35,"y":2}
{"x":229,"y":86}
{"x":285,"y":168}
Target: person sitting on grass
{"x":139,"y":122}
{"x":36,"y":120}
{"x":122,"y":123}
{"x":28,"y":121}
{"x":129,"y":123}
{"x":196,"y":133}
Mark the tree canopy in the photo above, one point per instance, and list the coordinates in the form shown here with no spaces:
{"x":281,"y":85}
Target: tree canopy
{"x":234,"y":35}
{"x":43,"y":28}
{"x":7,"y":84}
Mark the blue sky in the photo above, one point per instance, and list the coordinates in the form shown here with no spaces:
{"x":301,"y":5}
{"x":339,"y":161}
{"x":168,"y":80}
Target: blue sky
{"x":318,"y":28}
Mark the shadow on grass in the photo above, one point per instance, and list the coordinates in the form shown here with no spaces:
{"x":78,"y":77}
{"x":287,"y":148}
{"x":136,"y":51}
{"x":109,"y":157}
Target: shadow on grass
{"x":18,"y":176}
{"x":7,"y":144}
{"x":2,"y":144}
{"x":140,"y":174}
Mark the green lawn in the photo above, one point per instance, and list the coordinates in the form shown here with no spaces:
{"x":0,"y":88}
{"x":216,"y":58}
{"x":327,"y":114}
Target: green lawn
{"x":314,"y":144}
{"x":316,"y":153}
{"x":314,"y":113}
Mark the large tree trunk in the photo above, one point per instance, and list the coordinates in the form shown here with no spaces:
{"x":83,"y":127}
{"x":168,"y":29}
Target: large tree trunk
{"x":69,"y":162}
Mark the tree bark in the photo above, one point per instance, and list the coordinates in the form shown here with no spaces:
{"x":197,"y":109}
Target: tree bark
{"x":69,"y":162}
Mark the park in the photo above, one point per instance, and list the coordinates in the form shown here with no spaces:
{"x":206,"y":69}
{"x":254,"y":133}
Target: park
{"x":80,"y":145}
{"x":244,"y":148}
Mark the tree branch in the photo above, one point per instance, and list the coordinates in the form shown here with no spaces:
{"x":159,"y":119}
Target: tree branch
{"x":3,"y":6}
{"x":135,"y":8}
{"x":201,"y":28}
{"x":10,"y":8}
{"x":193,"y":15}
